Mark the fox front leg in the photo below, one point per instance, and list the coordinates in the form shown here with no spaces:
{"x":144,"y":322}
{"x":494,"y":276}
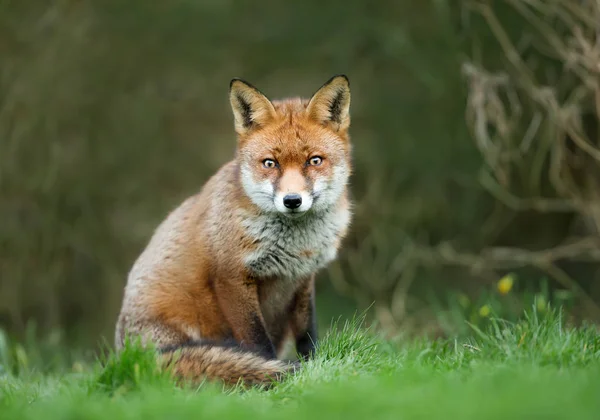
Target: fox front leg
{"x":241,"y":308}
{"x":304,"y":320}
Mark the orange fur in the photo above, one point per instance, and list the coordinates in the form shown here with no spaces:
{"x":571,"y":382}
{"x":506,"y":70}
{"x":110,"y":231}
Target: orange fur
{"x":232,"y":263}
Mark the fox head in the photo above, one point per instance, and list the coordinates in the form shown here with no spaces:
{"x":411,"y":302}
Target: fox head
{"x":293,"y":154}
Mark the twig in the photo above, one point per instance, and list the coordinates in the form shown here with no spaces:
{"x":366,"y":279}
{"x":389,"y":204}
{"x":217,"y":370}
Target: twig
{"x":586,"y":249}
{"x":543,"y":205}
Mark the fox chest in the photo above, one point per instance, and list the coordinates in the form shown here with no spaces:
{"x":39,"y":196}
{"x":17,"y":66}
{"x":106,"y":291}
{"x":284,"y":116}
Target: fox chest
{"x":292,"y":249}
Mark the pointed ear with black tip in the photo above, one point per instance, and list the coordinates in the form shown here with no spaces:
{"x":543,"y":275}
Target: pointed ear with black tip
{"x":330,"y":105}
{"x":251,"y":108}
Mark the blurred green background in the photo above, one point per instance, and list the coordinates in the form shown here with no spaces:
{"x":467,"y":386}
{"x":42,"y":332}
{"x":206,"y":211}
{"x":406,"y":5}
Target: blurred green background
{"x":112,"y":112}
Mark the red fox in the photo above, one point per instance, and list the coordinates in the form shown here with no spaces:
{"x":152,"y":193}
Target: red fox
{"x":228,"y":277}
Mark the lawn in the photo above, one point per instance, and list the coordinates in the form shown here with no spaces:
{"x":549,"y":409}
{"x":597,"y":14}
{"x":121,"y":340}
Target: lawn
{"x":533,"y":369}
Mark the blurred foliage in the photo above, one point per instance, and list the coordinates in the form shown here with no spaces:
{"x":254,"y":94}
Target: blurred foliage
{"x":112,"y":112}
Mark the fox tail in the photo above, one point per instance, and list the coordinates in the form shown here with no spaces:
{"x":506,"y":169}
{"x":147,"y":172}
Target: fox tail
{"x":200,"y":361}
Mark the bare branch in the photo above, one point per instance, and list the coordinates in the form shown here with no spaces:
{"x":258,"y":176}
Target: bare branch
{"x":543,"y":205}
{"x":497,"y":258}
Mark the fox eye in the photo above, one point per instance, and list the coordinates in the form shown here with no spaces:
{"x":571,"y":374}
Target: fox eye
{"x":269,"y":163}
{"x":315,"y":160}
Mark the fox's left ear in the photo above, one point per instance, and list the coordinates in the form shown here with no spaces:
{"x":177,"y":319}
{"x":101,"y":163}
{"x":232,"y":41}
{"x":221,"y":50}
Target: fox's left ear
{"x":330,"y":105}
{"x":251,"y":108}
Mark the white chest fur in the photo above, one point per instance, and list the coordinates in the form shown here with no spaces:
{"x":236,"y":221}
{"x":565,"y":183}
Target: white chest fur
{"x":294,"y":248}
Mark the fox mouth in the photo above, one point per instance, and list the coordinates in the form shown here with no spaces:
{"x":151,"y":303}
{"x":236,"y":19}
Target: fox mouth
{"x":294,"y":214}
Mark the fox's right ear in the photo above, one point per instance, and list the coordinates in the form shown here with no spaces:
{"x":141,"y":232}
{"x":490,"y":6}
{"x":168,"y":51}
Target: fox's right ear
{"x":251,"y":108}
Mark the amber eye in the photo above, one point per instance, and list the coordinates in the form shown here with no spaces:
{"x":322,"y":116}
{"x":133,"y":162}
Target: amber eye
{"x":315,"y":160}
{"x":269,"y":163}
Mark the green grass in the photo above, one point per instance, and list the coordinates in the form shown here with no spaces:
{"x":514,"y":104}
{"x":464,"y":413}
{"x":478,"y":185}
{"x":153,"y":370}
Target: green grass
{"x":536,"y":368}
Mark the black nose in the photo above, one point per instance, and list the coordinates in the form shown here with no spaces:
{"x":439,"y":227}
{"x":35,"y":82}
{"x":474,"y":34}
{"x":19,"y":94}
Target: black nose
{"x":292,"y":201}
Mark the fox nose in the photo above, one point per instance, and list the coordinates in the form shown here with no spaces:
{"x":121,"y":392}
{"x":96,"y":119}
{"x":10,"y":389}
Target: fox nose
{"x":292,"y":201}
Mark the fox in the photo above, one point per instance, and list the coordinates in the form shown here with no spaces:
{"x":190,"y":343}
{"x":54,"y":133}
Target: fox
{"x":227,"y":279}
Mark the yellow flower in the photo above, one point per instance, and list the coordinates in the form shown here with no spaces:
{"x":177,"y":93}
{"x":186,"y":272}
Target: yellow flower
{"x":484,"y":311}
{"x":463,"y":300}
{"x":505,"y":284}
{"x":540,"y":303}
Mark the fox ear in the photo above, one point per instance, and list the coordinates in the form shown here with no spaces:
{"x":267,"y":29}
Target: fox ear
{"x":251,"y":108}
{"x":330,"y":105}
